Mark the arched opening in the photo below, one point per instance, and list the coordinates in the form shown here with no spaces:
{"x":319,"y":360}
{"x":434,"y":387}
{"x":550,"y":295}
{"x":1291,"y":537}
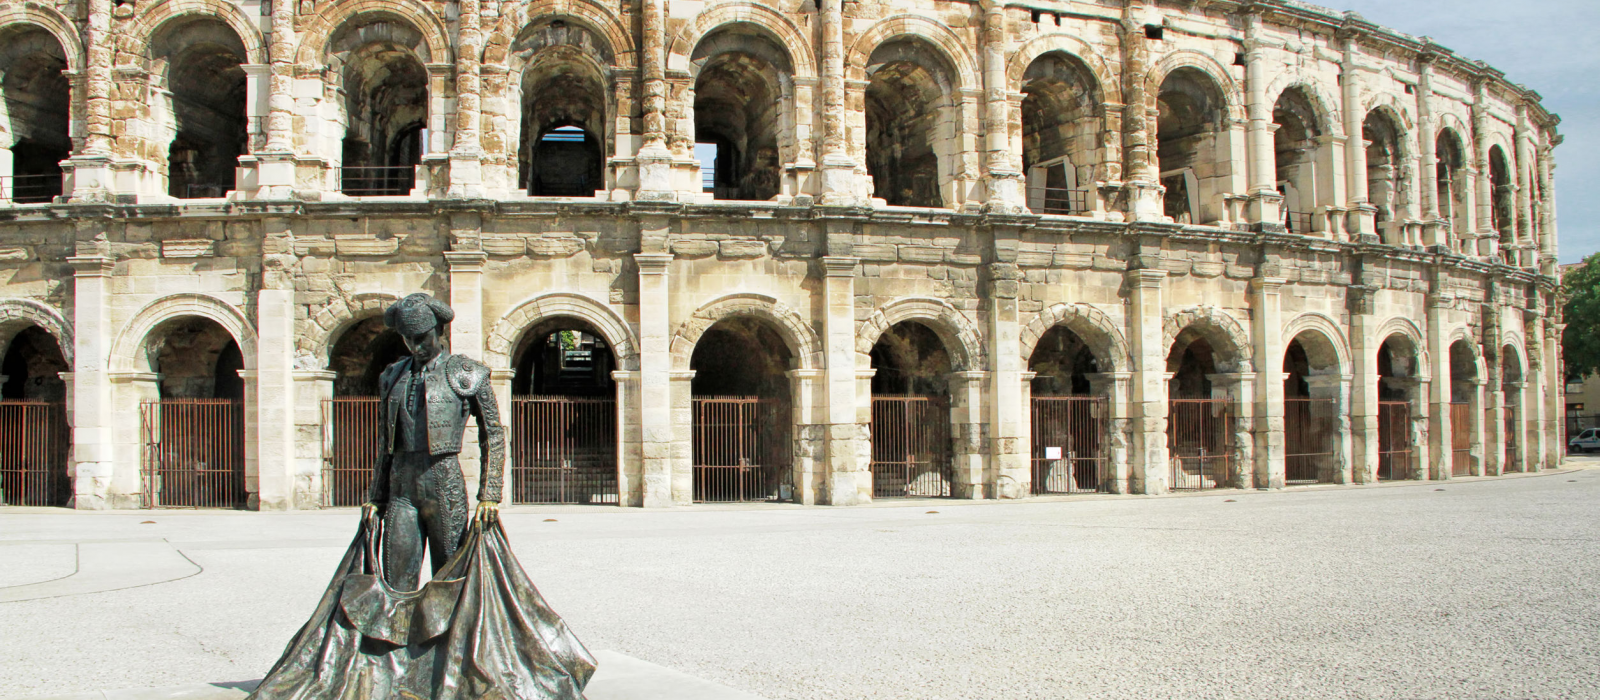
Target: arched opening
{"x":37,"y":98}
{"x":563,"y":415}
{"x":1311,"y":409}
{"x":1068,"y":422}
{"x":911,"y":117}
{"x":1451,"y":173}
{"x":1190,"y":108}
{"x":1295,"y":143}
{"x":1397,"y":388}
{"x":743,"y":91}
{"x":1061,"y":125}
{"x":1385,"y":179}
{"x":1500,"y":180}
{"x":34,"y":436}
{"x":911,"y":451}
{"x":193,"y":433}
{"x":385,"y":106}
{"x":206,"y":85}
{"x":353,"y":416}
{"x":743,"y":416}
{"x":1511,"y":388}
{"x":564,"y":107}
{"x":1200,"y":424}
{"x":1463,"y":407}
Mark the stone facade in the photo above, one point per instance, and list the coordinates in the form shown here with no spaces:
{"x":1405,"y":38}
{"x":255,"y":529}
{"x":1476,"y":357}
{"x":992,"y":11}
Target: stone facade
{"x":1196,"y":191}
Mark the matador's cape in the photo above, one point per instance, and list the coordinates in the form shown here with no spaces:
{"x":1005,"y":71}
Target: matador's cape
{"x":479,"y":629}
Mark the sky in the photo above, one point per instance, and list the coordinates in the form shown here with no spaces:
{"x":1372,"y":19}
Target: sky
{"x":1547,"y":45}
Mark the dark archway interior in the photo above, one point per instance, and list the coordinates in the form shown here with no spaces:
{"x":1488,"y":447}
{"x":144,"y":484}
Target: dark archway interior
{"x":361,"y":354}
{"x":1192,"y":362}
{"x":1060,"y":131}
{"x":563,"y":357}
{"x":1295,"y":145}
{"x":563,"y":121}
{"x":911,"y":360}
{"x":1384,"y":179}
{"x":386,"y":96}
{"x":1500,"y":179}
{"x":738,"y":98}
{"x":741,"y":356}
{"x":37,"y":99}
{"x":1061,"y":364}
{"x":32,"y":367}
{"x":196,"y":359}
{"x":1189,"y":115}
{"x":1463,"y":372}
{"x":1451,"y":176}
{"x":1296,"y":367}
{"x":203,"y":60}
{"x":1397,"y":364}
{"x":907,"y":92}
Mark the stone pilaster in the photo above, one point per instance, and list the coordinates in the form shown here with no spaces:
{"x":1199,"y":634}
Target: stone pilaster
{"x":1264,"y":200}
{"x":312,"y":390}
{"x":849,"y":478}
{"x":1238,"y":389}
{"x":1427,"y":148}
{"x":1146,"y":313}
{"x":92,"y":434}
{"x":282,"y":485}
{"x":1362,"y":214}
{"x":1144,"y":182}
{"x":1442,"y":442}
{"x":1004,"y":180}
{"x":1269,"y":349}
{"x":466,"y":298}
{"x":655,"y":381}
{"x":1528,"y":255}
{"x":806,"y":434}
{"x":1117,"y":388}
{"x":1336,"y":388}
{"x":466,"y":155}
{"x":1364,"y":347}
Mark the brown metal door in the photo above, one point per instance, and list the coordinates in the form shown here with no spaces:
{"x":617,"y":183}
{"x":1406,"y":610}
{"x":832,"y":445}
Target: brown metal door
{"x":1394,"y":440}
{"x":741,"y":450}
{"x":910,"y":446}
{"x":1200,"y":441}
{"x":1512,"y":443}
{"x":1069,"y":444}
{"x":1460,"y":439}
{"x":563,"y":450}
{"x":1307,"y":438}
{"x":193,"y":453}
{"x":355,"y":429}
{"x":34,"y":440}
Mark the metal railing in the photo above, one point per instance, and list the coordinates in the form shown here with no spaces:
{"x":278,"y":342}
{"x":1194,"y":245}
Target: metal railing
{"x":1200,"y":438}
{"x":910,"y":446}
{"x":193,"y":453}
{"x":741,"y":449}
{"x":1394,"y":440}
{"x":354,"y":426}
{"x":377,"y":180}
{"x":1461,"y":439}
{"x":1308,"y":431}
{"x":564,"y":450}
{"x":34,"y":439}
{"x":205,"y":190}
{"x":1069,"y":438}
{"x":1066,"y":202}
{"x":1297,"y":222}
{"x":31,"y":189}
{"x":1513,"y":453}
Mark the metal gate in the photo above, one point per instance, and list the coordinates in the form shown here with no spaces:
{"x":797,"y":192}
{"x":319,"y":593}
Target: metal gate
{"x":1308,"y":430}
{"x":354,"y":426}
{"x":34,"y":440}
{"x":1513,"y":452}
{"x":1200,"y":438}
{"x":1394,"y":440}
{"x":910,"y":446}
{"x":193,"y":453}
{"x":741,"y":449}
{"x":563,"y":450}
{"x":1461,"y":439}
{"x":1069,"y":444}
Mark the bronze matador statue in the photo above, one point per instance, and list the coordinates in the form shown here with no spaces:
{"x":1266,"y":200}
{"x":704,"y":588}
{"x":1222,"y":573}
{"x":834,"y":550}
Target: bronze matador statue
{"x":417,"y":483}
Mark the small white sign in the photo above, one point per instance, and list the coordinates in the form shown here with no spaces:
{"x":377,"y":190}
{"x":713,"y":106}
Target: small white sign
{"x":1052,"y":453}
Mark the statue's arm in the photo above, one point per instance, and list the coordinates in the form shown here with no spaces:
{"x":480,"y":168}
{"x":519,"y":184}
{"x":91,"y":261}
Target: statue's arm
{"x":491,"y":444}
{"x":379,"y":491}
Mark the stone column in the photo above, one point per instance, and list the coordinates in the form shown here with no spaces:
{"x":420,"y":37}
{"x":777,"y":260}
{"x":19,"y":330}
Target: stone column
{"x":129,"y":391}
{"x":849,"y":479}
{"x":1547,"y":222}
{"x":92,"y":440}
{"x":1363,"y":215}
{"x":89,"y":170}
{"x":809,"y":452}
{"x":1265,"y":202}
{"x":1144,"y":183}
{"x":1555,"y":442}
{"x":1267,"y":318}
{"x":466,"y":298}
{"x":968,"y":461}
{"x":1516,"y":417}
{"x":655,"y":381}
{"x":433,"y":176}
{"x":655,"y":160}
{"x":681,"y":390}
{"x":500,"y":381}
{"x":466,"y":157}
{"x":312,"y":389}
{"x":1421,"y":446}
{"x":1004,"y":181}
{"x":630,"y":454}
{"x":1329,"y":176}
{"x":839,"y":185}
{"x":1008,"y":410}
{"x":1529,"y":253}
{"x":1237,"y":388}
{"x":1116,"y":387}
{"x":1427,"y":148}
{"x":1149,"y":395}
{"x":1439,"y":392}
{"x":1486,"y":239}
{"x":282,"y":485}
{"x":1494,"y":414}
{"x":1364,"y":394}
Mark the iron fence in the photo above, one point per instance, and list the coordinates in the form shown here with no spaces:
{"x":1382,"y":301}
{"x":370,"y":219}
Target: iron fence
{"x":34,"y":440}
{"x":354,"y":426}
{"x":741,"y":449}
{"x":31,"y":189}
{"x":564,"y":450}
{"x":1069,"y":434}
{"x":910,"y":446}
{"x":1066,"y":202}
{"x":1394,"y":440}
{"x":1308,"y":432}
{"x":377,"y":180}
{"x":1200,"y":438}
{"x":1461,"y":439}
{"x":1513,"y":442}
{"x":193,"y":453}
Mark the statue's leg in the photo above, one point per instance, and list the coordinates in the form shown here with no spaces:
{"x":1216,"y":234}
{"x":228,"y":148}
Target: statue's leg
{"x":402,"y":544}
{"x":445,"y":518}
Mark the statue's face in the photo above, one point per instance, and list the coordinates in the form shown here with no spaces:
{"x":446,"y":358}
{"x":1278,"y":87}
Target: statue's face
{"x":424,"y":346}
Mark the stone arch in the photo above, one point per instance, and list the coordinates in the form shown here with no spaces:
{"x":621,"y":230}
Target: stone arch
{"x":1097,"y":329}
{"x":1223,"y":332}
{"x":1232,"y":93}
{"x":14,"y":16}
{"x":1321,"y":99}
{"x":767,"y":21}
{"x":1511,"y":351}
{"x":321,"y":28}
{"x":125,"y":351}
{"x":312,"y":348}
{"x":502,"y":341}
{"x":1028,"y":52}
{"x":1491,"y":138}
{"x":1401,"y":119}
{"x":1328,"y":329}
{"x":38,"y":313}
{"x":1399,"y":111}
{"x":597,"y":18}
{"x":151,"y":20}
{"x":1457,"y":128}
{"x":1463,"y":334}
{"x":1408,"y":329}
{"x":960,"y":335}
{"x":796,"y":333}
{"x":953,"y":48}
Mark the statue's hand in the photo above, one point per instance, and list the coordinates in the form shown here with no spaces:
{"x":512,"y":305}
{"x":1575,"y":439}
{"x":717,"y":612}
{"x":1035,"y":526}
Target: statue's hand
{"x":488,"y":512}
{"x":369,"y":510}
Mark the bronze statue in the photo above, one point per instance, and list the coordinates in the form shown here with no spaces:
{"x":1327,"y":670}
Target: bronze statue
{"x":479,"y":628}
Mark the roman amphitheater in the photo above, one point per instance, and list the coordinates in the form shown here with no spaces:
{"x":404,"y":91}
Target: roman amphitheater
{"x":819,"y":251}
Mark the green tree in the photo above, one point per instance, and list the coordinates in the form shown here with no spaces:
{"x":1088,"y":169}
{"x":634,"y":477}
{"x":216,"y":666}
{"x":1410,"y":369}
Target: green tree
{"x":1581,"y":343}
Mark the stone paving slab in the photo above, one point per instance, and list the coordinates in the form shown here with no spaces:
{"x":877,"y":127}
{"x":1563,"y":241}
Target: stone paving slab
{"x":110,"y":566}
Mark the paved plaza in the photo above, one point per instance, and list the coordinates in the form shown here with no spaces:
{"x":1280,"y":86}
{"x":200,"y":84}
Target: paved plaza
{"x":1474,"y":588}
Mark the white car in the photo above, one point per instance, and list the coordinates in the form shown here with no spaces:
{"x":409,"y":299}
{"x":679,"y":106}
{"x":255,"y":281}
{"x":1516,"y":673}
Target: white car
{"x":1586,"y":441}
